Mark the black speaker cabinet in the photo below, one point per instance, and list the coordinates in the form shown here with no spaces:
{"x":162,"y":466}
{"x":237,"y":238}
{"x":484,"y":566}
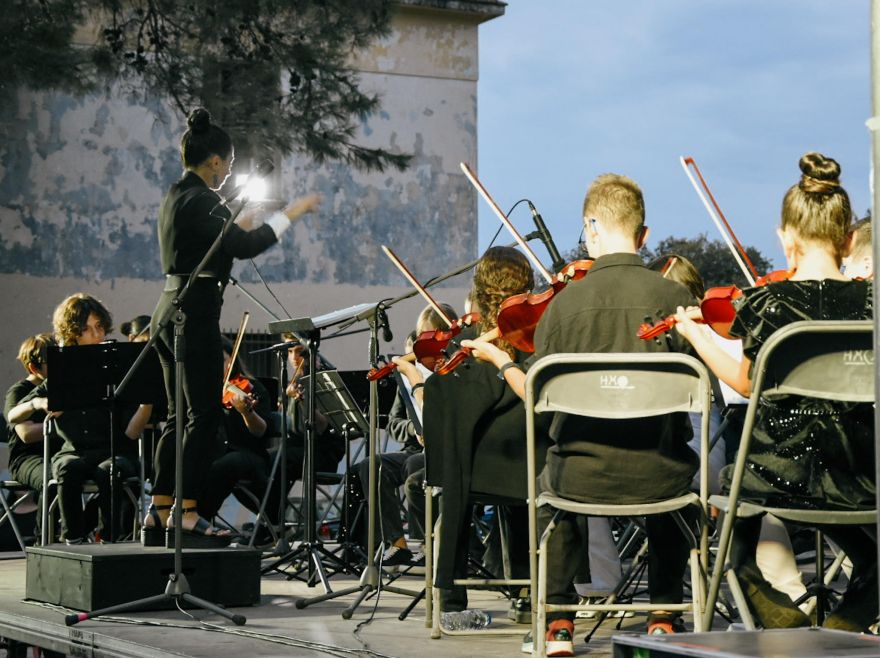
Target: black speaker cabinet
{"x":94,"y":576}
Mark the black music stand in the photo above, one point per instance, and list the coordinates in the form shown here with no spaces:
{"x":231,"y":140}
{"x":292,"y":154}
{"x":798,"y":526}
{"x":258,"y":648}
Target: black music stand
{"x":346,"y":419}
{"x":85,"y":377}
{"x":311,"y":548}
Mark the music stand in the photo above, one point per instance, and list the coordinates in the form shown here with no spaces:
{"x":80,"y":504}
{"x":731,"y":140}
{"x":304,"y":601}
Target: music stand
{"x":311,"y":548}
{"x":85,"y":377}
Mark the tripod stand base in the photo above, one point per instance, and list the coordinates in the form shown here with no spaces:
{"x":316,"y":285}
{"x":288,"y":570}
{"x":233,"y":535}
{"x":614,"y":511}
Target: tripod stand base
{"x":176,"y":592}
{"x":87,"y":577}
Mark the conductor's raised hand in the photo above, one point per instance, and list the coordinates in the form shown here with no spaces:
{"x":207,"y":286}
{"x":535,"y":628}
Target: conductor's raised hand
{"x":301,"y":206}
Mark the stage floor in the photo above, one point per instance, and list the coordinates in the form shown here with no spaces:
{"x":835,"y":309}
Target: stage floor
{"x":273,"y":628}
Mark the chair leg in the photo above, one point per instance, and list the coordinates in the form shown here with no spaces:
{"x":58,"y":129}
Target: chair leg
{"x":539,"y":635}
{"x":696,"y":590}
{"x":719,"y":568}
{"x":429,"y":555}
{"x":740,"y":599}
{"x":8,"y":511}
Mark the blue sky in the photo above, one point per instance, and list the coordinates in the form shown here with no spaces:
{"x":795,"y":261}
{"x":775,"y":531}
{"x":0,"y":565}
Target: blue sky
{"x":571,"y":89}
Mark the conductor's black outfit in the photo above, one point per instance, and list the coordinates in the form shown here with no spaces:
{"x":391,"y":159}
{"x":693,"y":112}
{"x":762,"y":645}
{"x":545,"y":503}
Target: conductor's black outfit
{"x":189,"y":221}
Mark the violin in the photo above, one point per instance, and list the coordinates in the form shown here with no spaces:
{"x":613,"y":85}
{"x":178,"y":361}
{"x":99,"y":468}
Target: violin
{"x":716,"y":308}
{"x":238,"y":385}
{"x":429,"y":345}
{"x":518,"y":315}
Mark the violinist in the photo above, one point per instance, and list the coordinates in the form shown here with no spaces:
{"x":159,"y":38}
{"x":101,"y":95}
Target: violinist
{"x":190,"y":219}
{"x":242,"y":441}
{"x":603,"y":461}
{"x":475,"y":435}
{"x":395,"y":468}
{"x":805,"y":452}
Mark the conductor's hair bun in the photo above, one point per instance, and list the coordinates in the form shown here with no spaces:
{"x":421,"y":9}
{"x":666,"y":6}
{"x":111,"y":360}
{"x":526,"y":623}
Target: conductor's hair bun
{"x":199,"y":120}
{"x":820,"y":174}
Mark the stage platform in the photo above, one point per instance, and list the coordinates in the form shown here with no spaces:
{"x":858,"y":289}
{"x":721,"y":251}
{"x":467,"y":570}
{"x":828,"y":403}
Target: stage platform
{"x":273,"y":627}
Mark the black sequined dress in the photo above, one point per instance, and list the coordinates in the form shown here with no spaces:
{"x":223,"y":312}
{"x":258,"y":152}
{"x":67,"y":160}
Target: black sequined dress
{"x":806,"y":452}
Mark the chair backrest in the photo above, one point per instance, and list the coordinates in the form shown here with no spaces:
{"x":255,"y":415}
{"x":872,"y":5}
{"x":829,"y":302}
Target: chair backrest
{"x":832,"y":360}
{"x":827,"y":359}
{"x":618,"y":386}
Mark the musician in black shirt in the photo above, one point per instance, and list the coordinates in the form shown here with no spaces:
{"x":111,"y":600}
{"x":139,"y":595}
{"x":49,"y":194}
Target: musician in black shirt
{"x":610,"y":461}
{"x":190,"y":218}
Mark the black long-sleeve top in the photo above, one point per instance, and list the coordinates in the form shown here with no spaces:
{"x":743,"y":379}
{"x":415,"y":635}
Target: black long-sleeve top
{"x":190,"y":220}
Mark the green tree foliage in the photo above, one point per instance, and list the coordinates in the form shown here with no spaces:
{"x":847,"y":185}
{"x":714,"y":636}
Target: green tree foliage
{"x":712,"y":259}
{"x":274,"y":72}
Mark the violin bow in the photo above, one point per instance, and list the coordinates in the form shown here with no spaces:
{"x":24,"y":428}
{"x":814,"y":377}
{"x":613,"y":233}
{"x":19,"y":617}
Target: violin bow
{"x":235,"y":346}
{"x":739,"y":252}
{"x":504,"y":220}
{"x":415,"y":283}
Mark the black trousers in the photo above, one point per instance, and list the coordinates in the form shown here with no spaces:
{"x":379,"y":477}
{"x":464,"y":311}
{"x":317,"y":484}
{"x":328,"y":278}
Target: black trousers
{"x":225,"y":472}
{"x":414,"y":488}
{"x":202,"y":390}
{"x":29,"y":471}
{"x":72,"y":470}
{"x":395,"y":468}
{"x":455,"y":599}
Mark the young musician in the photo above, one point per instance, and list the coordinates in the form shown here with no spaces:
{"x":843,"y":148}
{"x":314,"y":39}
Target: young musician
{"x":190,"y":218}
{"x":604,"y":461}
{"x":804,"y":452}
{"x":85,"y":454}
{"x":395,"y":468}
{"x":475,"y":431}
{"x":136,"y":330}
{"x":244,"y":445}
{"x":26,"y":436}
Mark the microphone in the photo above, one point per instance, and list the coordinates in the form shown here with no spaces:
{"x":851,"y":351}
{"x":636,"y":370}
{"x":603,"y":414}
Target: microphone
{"x":546,"y":238}
{"x":387,"y":336}
{"x":263,"y":169}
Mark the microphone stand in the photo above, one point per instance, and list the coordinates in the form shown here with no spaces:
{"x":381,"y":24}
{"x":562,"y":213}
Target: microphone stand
{"x":177,"y":590}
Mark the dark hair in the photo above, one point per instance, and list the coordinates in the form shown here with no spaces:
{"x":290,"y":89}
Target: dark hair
{"x":676,"y":267}
{"x":501,"y":273}
{"x":135,"y":325}
{"x":70,"y":317}
{"x":34,"y":349}
{"x":817,"y":207}
{"x":203,"y":139}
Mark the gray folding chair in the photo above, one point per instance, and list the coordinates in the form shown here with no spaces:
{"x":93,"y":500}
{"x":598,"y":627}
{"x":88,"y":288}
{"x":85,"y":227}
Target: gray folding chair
{"x":831,"y":360}
{"x":617,"y":386}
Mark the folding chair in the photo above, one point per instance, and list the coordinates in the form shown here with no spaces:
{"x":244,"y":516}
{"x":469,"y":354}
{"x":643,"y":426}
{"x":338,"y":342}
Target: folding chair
{"x":830,"y":360}
{"x":19,"y":494}
{"x":616,"y":386}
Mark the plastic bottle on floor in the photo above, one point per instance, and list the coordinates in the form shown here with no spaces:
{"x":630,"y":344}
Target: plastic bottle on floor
{"x":465,"y":620}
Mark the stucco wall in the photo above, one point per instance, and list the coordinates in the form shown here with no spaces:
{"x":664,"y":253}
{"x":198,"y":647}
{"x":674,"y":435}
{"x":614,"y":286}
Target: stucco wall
{"x":81,"y":180}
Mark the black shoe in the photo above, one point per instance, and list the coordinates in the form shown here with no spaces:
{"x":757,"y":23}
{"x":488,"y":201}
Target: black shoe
{"x":770,"y":607}
{"x":520,"y":610}
{"x":857,"y":609}
{"x":394,"y":557}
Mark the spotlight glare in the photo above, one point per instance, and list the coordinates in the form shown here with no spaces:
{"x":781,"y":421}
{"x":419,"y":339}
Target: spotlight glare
{"x":255,"y":188}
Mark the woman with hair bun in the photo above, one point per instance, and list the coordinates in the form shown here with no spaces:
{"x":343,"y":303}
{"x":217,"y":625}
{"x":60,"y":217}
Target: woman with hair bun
{"x":805,"y":452}
{"x":190,"y":218}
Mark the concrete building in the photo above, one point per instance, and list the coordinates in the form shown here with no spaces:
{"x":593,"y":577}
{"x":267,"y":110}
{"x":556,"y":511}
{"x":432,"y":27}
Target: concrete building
{"x":81,"y":180}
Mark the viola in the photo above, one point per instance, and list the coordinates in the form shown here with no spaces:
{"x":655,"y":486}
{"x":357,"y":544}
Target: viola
{"x":518,"y":315}
{"x":237,"y":385}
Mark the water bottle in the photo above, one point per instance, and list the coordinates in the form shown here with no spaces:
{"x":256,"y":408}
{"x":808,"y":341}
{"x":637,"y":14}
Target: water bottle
{"x":465,"y":620}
